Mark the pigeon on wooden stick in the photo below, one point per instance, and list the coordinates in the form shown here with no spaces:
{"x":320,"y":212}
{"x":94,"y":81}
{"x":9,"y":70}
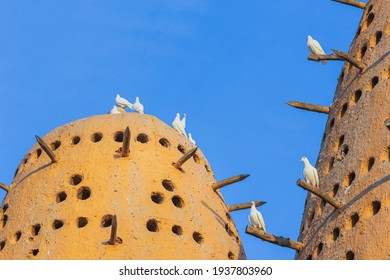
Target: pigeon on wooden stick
{"x":255,"y":218}
{"x":315,"y":47}
{"x":310,"y":173}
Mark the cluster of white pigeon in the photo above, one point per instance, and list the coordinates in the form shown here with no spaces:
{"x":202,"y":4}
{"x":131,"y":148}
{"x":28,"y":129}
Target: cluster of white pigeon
{"x":121,"y":104}
{"x":309,"y":171}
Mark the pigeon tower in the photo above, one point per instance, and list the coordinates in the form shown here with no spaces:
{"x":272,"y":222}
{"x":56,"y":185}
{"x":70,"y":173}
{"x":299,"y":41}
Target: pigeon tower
{"x":94,"y":199}
{"x":354,"y":159}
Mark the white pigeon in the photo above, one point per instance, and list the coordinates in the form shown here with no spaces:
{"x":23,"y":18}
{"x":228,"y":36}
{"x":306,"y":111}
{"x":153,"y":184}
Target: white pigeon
{"x":114,"y":110}
{"x":190,"y":139}
{"x":123,"y":103}
{"x":178,"y":125}
{"x":255,"y":218}
{"x":183,"y":121}
{"x":315,"y":47}
{"x":310,"y":173}
{"x":137,"y":106}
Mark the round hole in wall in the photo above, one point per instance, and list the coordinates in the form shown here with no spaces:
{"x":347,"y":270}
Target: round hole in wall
{"x":357,"y":95}
{"x":61,"y":196}
{"x":182,"y":149}
{"x":106,"y":221}
{"x":39,"y":152}
{"x":34,"y":252}
{"x":198,"y":237}
{"x":55,"y":145}
{"x":177,"y":230}
{"x":196,"y":158}
{"x":177,"y":201}
{"x":164,"y":142}
{"x":344,"y":150}
{"x":76,"y":140}
{"x":374,"y":82}
{"x":344,"y":109}
{"x":350,"y":255}
{"x":231,"y":256}
{"x":354,"y":219}
{"x":4,"y":220}
{"x":57,"y":224}
{"x":168,"y":185}
{"x":96,"y":137}
{"x":75,"y":179}
{"x":82,"y":222}
{"x":370,"y":18}
{"x":35,"y":229}
{"x":319,"y":248}
{"x":335,"y":189}
{"x":376,"y":206}
{"x":378,"y":37}
{"x":336,"y":233}
{"x":17,"y":236}
{"x":351,"y":178}
{"x":157,"y":197}
{"x":83,"y":193}
{"x":152,"y":225}
{"x":143,"y":138}
{"x":370,"y":163}
{"x":2,"y":245}
{"x":363,"y":51}
{"x":5,"y":207}
{"x":118,"y":136}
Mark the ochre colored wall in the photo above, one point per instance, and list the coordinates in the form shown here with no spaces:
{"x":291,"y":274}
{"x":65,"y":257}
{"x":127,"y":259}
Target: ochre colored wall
{"x":91,"y":181}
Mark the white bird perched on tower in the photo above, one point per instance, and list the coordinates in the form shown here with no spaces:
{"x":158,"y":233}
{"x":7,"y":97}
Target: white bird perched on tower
{"x":183,"y":121}
{"x":190,"y":139}
{"x":137,"y":106}
{"x":123,"y":103}
{"x":114,"y":110}
{"x":310,"y":173}
{"x":178,"y":125}
{"x":315,"y":47}
{"x":255,"y":218}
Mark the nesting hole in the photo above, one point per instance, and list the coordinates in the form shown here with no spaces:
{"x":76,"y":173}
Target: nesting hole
{"x":39,"y":152}
{"x":198,"y":237}
{"x":370,"y":18}
{"x":75,"y":179}
{"x":378,"y":37}
{"x":335,"y":190}
{"x":350,"y":255}
{"x":231,"y":256}
{"x":34,"y":252}
{"x":341,"y":141}
{"x":83,"y":193}
{"x":118,"y":136}
{"x":76,"y":140}
{"x":182,"y":149}
{"x":152,"y":225}
{"x":309,"y":257}
{"x":343,"y":110}
{"x":82,"y":222}
{"x":363,"y":51}
{"x":55,"y":145}
{"x":207,"y":168}
{"x":143,"y":138}
{"x":376,"y":206}
{"x":5,"y":207}
{"x":369,"y":9}
{"x":2,"y":245}
{"x":177,"y":230}
{"x":5,"y":219}
{"x":57,"y":224}
{"x":196,"y":158}
{"x":61,"y":197}
{"x":374,"y":82}
{"x":168,"y":185}
{"x":331,"y":124}
{"x":319,"y":248}
{"x":354,"y":219}
{"x":344,"y":150}
{"x":17,"y":235}
{"x":369,"y":164}
{"x":177,"y":201}
{"x":106,"y":221}
{"x":96,"y":137}
{"x":164,"y":142}
{"x":331,"y":163}
{"x":349,"y":179}
{"x":157,"y":197}
{"x":35,"y":229}
{"x":336,"y":233}
{"x":357,"y":95}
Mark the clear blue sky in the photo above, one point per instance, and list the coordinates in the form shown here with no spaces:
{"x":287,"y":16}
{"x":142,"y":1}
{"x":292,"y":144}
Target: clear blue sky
{"x":229,"y":65}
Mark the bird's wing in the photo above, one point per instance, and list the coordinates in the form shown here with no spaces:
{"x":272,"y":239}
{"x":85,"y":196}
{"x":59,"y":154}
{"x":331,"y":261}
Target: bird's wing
{"x":261,"y":220}
{"x":249,"y":219}
{"x":317,"y":47}
{"x":317,"y":180}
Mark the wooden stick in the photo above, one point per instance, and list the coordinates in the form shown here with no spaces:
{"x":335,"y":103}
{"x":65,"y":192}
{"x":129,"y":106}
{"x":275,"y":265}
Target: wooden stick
{"x":46,"y":149}
{"x":320,"y":194}
{"x":246,"y":205}
{"x":350,"y":59}
{"x":229,"y":181}
{"x":4,"y":187}
{"x":126,"y":143}
{"x":278,"y":240}
{"x":309,"y":107}
{"x":353,"y":3}
{"x":318,"y":58}
{"x":114,"y":228}
{"x":184,"y":158}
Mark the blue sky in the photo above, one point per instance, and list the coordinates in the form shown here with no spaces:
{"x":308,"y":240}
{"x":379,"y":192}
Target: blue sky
{"x":229,"y":65}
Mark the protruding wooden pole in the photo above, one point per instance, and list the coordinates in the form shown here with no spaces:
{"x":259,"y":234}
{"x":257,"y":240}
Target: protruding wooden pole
{"x":126,"y":143}
{"x":353,"y":3}
{"x":278,"y":240}
{"x":246,"y":205}
{"x":318,"y":193}
{"x":114,"y":228}
{"x":184,"y":158}
{"x":229,"y":181}
{"x":318,"y":58}
{"x":309,"y":107}
{"x":46,"y":149}
{"x":350,"y":59}
{"x":4,"y":187}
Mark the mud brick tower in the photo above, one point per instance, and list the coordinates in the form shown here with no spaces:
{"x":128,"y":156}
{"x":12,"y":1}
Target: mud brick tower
{"x":91,"y":202}
{"x":354,"y":159}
